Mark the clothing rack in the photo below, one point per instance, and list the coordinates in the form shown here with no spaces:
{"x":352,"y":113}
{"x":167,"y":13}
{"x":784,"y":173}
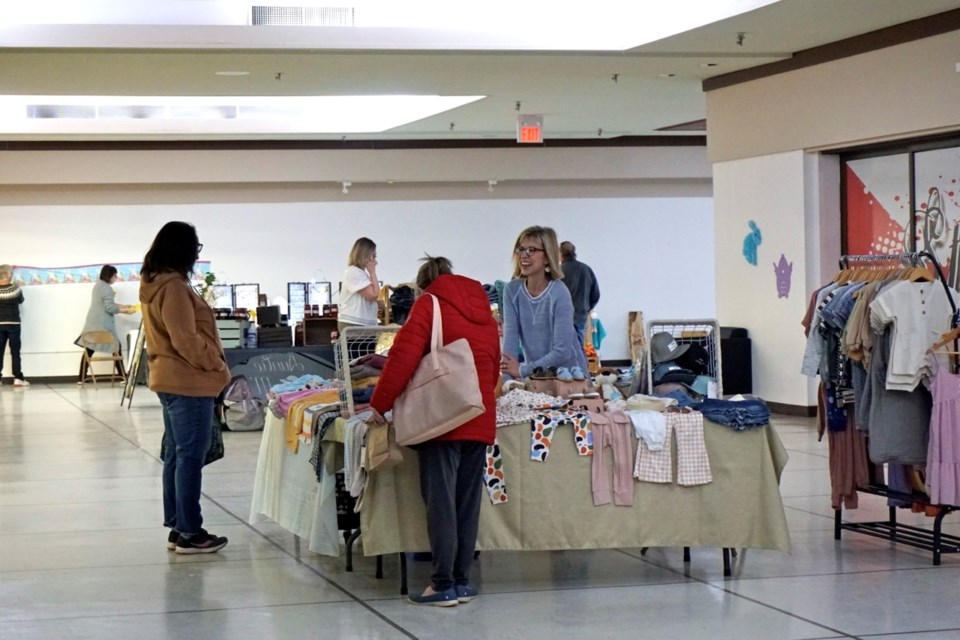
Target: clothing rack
{"x":931,"y":540}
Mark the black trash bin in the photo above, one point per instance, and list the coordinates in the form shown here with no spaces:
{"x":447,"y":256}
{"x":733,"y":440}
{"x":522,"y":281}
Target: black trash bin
{"x":737,"y":360}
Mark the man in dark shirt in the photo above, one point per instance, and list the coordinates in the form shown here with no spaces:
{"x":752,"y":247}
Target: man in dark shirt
{"x":583,"y":286}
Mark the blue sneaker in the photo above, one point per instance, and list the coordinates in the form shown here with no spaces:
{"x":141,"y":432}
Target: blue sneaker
{"x":564,"y":374}
{"x":577,"y":373}
{"x":465,"y":593}
{"x":446,"y":598}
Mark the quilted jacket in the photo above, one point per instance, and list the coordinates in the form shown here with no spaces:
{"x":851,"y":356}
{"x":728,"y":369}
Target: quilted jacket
{"x":465,"y":310}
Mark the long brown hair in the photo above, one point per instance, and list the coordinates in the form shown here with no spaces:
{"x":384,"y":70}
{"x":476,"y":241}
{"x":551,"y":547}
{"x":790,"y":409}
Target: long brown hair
{"x":174,"y":249}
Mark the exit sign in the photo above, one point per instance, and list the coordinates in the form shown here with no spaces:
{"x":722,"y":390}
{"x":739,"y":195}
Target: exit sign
{"x":530,"y":129}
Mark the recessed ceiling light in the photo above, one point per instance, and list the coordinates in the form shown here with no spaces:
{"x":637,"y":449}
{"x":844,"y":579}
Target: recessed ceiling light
{"x":667,"y":75}
{"x":232,"y":73}
{"x":709,"y":64}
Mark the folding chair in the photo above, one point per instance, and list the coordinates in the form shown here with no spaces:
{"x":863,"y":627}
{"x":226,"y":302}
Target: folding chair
{"x":92,"y":340}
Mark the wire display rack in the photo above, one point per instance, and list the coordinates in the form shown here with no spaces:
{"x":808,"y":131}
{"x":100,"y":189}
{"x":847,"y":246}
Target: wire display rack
{"x":353,"y":343}
{"x":705,"y":333}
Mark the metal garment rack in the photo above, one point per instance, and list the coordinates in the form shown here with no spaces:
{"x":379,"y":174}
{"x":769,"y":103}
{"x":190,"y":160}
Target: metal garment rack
{"x":352,"y":343}
{"x":931,"y":540}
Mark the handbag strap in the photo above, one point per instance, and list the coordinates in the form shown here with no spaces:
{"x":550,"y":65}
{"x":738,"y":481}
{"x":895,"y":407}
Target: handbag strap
{"x":436,"y":339}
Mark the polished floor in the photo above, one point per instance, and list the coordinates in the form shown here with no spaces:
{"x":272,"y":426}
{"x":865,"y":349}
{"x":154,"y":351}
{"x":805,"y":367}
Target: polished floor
{"x":83,"y":555}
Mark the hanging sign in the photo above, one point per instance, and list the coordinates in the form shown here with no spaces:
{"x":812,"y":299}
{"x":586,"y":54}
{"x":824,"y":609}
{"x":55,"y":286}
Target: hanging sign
{"x":530,"y":129}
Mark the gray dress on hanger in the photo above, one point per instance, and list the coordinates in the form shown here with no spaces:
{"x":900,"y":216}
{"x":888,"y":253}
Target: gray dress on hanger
{"x":899,"y":422}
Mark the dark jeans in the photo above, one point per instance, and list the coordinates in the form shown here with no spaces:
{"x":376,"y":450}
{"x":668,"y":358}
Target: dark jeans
{"x":187,"y":424}
{"x":11,"y":333}
{"x":90,"y":352}
{"x":740,"y":415}
{"x":451,"y":483}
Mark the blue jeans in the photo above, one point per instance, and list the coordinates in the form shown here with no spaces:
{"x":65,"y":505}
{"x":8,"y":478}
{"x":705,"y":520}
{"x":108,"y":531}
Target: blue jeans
{"x":11,"y":333}
{"x":745,"y":414}
{"x":581,"y":330}
{"x":187,"y":425}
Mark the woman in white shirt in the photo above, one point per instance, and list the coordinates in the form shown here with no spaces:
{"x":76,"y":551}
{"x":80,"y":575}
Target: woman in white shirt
{"x":360,"y":287}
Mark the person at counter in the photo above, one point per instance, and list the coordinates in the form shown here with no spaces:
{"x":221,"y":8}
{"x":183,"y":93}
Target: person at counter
{"x":360,"y":287}
{"x":451,"y":465}
{"x":537,"y":310}
{"x":100,"y":315}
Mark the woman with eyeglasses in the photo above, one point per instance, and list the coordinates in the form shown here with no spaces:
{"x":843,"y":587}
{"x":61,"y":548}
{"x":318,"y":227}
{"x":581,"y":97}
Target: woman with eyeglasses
{"x":187,"y":371}
{"x":537,"y":310}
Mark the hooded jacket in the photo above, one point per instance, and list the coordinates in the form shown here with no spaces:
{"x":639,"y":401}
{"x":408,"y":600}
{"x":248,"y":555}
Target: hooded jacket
{"x":183,"y":344}
{"x":465,"y":310}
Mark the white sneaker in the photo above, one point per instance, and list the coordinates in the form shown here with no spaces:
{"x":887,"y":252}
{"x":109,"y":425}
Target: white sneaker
{"x":17,"y":382}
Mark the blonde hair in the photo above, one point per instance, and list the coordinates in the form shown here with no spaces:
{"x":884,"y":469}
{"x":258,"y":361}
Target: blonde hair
{"x":6,"y":270}
{"x":363,"y":249}
{"x":548,"y":239}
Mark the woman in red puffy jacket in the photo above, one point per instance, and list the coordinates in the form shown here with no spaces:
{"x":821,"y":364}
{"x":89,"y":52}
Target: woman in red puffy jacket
{"x":451,"y":465}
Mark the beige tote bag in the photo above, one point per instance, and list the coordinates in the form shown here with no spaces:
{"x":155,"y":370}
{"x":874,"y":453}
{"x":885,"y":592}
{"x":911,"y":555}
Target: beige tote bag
{"x":443,"y":393}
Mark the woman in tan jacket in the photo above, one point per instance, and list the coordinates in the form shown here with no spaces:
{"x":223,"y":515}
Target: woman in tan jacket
{"x":187,"y":371}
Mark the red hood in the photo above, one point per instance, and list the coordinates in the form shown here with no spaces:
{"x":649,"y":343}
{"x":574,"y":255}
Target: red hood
{"x":463,"y":294}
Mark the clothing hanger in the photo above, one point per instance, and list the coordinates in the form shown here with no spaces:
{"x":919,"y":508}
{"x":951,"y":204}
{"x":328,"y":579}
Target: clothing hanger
{"x":946,"y":339}
{"x":840,"y":275}
{"x":919,"y":274}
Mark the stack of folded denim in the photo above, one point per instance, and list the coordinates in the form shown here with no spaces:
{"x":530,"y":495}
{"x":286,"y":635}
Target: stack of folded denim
{"x":682,"y":397}
{"x":740,"y":415}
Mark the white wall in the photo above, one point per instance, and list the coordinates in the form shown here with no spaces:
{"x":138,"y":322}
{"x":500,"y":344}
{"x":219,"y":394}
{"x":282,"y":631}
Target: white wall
{"x":770,"y":191}
{"x":650,"y":254}
{"x":901,"y":91}
{"x":764,"y":137}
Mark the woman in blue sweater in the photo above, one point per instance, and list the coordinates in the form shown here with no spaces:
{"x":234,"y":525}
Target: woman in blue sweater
{"x":537,"y":310}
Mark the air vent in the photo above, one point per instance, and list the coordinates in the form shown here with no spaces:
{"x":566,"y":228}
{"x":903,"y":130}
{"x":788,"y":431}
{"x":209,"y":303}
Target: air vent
{"x":300,"y":16}
{"x":54,"y":111}
{"x":131,"y":112}
{"x":128,"y":112}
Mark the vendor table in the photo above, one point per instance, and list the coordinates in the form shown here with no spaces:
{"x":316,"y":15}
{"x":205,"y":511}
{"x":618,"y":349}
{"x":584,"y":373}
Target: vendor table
{"x":550,"y":504}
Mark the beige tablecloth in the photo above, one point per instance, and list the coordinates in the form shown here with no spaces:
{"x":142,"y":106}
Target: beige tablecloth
{"x":551,"y":503}
{"x":286,"y":489}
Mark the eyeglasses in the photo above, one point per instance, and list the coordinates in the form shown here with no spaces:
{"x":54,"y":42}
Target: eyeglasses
{"x":526,"y":251}
{"x":199,"y":247}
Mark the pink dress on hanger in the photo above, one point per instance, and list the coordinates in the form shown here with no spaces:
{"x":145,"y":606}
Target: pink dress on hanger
{"x":943,"y":452}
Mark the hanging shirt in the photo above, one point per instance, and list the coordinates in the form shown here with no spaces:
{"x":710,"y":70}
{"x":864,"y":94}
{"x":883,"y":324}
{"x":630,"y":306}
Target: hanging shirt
{"x":919,"y":313}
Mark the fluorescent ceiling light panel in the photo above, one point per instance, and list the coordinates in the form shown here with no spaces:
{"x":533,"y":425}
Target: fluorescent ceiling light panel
{"x":218,"y":114}
{"x":601,"y":25}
